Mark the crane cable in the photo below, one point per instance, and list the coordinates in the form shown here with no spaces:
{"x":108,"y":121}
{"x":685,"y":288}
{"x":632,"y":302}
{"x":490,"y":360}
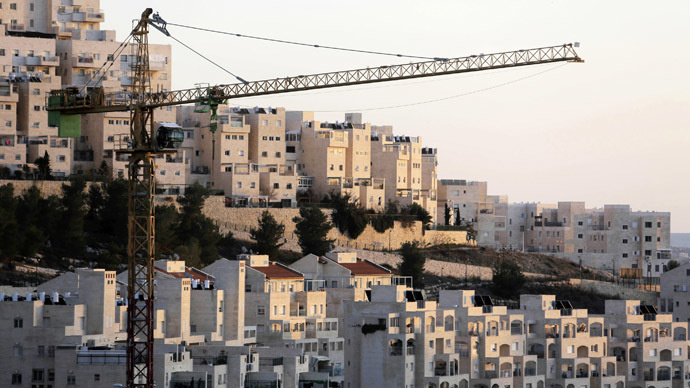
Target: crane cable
{"x":114,"y":56}
{"x":283,"y":41}
{"x":208,"y":59}
{"x":436,"y":99}
{"x":448,"y":97}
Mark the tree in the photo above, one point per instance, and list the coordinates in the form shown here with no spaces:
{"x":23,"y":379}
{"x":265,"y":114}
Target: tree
{"x":95,"y":201}
{"x":672,"y":264}
{"x":43,"y":164}
{"x":103,"y":170}
{"x":415,"y":212}
{"x":347,"y":215}
{"x":8,"y":222}
{"x":115,"y":211}
{"x":267,"y":235}
{"x":166,"y":221}
{"x":413,"y":261}
{"x":312,"y":227}
{"x":195,"y":227}
{"x":471,"y":232}
{"x":507,"y":279}
{"x":32,"y":214}
{"x":71,"y":233}
{"x":458,"y":221}
{"x":446,"y":214}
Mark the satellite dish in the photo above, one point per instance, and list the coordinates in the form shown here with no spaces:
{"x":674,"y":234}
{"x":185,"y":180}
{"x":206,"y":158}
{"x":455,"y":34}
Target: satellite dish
{"x":176,"y":256}
{"x":576,"y":44}
{"x":244,"y":249}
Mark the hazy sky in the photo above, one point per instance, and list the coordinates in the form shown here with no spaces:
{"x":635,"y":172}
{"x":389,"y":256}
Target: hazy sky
{"x":612,"y":130}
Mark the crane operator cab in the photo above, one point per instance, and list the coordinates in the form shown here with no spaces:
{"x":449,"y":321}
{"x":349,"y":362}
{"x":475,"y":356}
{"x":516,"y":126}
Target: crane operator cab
{"x":168,"y":137}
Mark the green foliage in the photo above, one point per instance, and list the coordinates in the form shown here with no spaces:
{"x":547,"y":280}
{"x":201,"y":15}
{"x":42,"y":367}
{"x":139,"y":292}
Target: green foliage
{"x":166,"y":222}
{"x":446,"y":214}
{"x":8,"y":222}
{"x":103,"y":170}
{"x":507,"y":279}
{"x":458,"y":221}
{"x":672,"y":264}
{"x":43,"y":164}
{"x":195,"y":230}
{"x":413,"y":260}
{"x":5,"y":172}
{"x":268,"y":235}
{"x":114,"y":213}
{"x":471,"y":231}
{"x":70,"y":235}
{"x":415,"y":212}
{"x":347,"y":215}
{"x":312,"y":227}
{"x":385,"y":220}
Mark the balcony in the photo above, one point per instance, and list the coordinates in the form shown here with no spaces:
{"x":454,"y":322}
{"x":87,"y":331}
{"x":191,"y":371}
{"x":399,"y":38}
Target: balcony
{"x":15,"y":27}
{"x":85,"y":61}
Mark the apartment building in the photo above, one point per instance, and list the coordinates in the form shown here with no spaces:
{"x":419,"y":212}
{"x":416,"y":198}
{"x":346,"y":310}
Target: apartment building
{"x":334,"y":157}
{"x":289,"y":311}
{"x":29,"y":69}
{"x":71,"y":332}
{"x":399,"y":160}
{"x":344,"y":276}
{"x":398,"y":339}
{"x":675,"y":293}
{"x":58,"y":17}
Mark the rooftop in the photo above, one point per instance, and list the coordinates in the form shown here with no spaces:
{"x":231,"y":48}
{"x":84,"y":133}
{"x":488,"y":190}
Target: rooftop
{"x":364,"y":268}
{"x":278,"y":271}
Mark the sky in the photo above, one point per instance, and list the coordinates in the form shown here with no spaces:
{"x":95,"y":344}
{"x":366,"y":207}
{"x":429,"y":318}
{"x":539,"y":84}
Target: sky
{"x":612,"y":130}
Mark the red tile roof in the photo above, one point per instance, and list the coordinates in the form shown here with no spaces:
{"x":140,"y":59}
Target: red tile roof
{"x":279,"y":271}
{"x":189,"y":273}
{"x":365,"y":268}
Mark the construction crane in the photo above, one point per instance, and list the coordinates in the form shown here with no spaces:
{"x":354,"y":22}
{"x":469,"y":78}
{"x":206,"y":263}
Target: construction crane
{"x":147,"y":140}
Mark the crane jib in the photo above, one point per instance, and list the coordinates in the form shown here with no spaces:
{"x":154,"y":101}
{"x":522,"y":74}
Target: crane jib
{"x":96,"y":100}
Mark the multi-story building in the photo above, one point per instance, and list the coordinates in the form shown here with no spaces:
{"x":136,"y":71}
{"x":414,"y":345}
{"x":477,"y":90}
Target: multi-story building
{"x":334,"y":157}
{"x":56,"y":17}
{"x":675,"y":293}
{"x":29,"y":68}
{"x":398,"y":339}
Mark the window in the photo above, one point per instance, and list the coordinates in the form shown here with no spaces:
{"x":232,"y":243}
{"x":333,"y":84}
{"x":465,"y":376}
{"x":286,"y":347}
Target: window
{"x":625,"y":226}
{"x":278,"y":124}
{"x":241,"y":153}
{"x":647,"y":224}
{"x":658,"y":224}
{"x":260,"y":310}
{"x":71,"y":380}
{"x":277,"y":154}
{"x":580,"y":236}
{"x":252,"y":185}
{"x":227,"y":152}
{"x":96,"y":377}
{"x":277,"y":138}
{"x":228,"y":169}
{"x":2,"y":54}
{"x":16,"y":379}
{"x":264,"y":123}
{"x":625,"y":241}
{"x":37,"y":375}
{"x":239,"y":185}
{"x":18,"y":323}
{"x":648,"y":238}
{"x":289,"y":186}
{"x":31,"y":7}
{"x":264,"y":154}
{"x":41,"y":350}
{"x":17,"y":350}
{"x":13,"y":6}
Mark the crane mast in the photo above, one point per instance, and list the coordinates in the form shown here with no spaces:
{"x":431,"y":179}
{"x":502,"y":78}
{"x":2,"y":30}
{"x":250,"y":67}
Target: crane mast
{"x":141,"y":102}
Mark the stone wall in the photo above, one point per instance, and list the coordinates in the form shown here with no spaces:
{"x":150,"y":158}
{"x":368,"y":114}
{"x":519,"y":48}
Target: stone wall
{"x":614,"y":290}
{"x":241,"y":220}
{"x":47,"y":188}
